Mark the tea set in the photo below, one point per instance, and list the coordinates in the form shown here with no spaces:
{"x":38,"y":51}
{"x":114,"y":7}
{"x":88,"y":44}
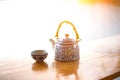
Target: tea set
{"x":65,"y":49}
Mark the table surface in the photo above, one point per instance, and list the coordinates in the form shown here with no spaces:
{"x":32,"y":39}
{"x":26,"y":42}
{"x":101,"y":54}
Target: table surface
{"x":99,"y":59}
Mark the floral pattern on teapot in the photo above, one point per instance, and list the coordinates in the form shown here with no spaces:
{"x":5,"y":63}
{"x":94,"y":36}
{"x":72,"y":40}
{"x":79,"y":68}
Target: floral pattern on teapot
{"x":67,"y":52}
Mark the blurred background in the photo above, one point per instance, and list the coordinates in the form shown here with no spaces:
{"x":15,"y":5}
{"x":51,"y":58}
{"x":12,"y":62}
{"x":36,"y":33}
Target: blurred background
{"x":27,"y":25}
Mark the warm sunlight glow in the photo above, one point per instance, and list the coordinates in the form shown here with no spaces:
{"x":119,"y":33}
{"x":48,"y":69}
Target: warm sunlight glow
{"x":26,"y":25}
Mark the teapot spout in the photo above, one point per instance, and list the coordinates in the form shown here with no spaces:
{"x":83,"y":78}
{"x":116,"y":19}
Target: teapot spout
{"x":52,"y":42}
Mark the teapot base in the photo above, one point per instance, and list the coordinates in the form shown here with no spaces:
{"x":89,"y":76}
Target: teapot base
{"x":66,"y":60}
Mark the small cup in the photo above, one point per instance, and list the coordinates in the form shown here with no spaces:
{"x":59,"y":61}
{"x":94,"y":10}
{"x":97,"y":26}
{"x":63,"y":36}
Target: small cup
{"x":39,"y":55}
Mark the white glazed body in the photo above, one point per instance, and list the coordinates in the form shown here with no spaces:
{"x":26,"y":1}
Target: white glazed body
{"x":66,"y":52}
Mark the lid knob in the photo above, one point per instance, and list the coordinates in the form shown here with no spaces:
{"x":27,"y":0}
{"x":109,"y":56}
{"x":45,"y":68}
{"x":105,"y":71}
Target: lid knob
{"x":66,"y":35}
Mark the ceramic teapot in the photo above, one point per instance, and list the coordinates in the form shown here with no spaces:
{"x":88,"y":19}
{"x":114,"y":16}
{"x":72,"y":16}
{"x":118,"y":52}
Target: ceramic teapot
{"x":66,"y":49}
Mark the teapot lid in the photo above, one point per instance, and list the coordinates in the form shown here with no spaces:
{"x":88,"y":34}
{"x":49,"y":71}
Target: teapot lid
{"x":66,"y":40}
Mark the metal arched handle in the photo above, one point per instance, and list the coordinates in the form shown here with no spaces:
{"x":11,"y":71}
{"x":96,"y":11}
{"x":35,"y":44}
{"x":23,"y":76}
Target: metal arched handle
{"x":57,"y":33}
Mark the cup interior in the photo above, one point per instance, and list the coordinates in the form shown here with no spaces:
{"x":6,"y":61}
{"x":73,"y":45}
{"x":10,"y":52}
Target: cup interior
{"x":38,"y":52}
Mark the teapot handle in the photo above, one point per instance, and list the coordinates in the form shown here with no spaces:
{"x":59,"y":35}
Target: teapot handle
{"x":77,"y":36}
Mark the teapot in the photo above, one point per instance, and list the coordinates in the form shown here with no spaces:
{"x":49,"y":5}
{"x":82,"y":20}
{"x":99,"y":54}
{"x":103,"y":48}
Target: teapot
{"x":66,"y":49}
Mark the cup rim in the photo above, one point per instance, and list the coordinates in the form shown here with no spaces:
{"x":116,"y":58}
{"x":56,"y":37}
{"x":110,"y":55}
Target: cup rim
{"x":38,"y":52}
